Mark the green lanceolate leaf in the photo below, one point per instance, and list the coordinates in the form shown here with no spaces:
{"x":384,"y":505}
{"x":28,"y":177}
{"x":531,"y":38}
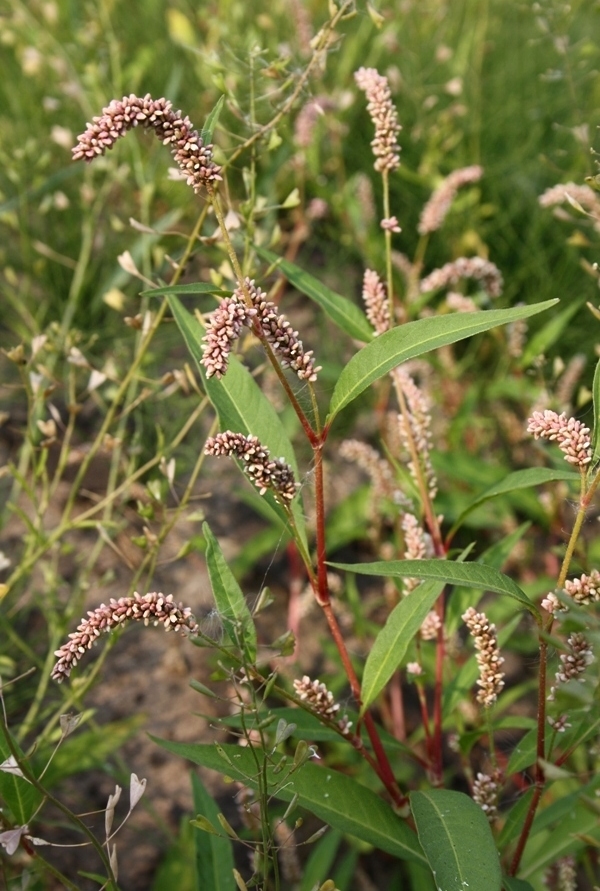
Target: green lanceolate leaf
{"x":414,"y":339}
{"x":457,"y":840}
{"x":391,"y":644}
{"x":229,"y":598}
{"x":342,"y":312}
{"x":242,"y":407}
{"x":520,"y":479}
{"x":596,"y":432}
{"x":470,"y":575}
{"x":334,"y":797}
{"x":214,"y":854}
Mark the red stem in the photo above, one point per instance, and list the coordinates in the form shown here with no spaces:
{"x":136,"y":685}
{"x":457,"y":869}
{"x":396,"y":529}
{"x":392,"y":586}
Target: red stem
{"x":541,"y":754}
{"x":437,"y":750}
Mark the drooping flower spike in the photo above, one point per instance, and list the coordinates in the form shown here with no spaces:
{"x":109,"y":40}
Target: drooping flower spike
{"x":150,"y":608}
{"x":157,"y":115}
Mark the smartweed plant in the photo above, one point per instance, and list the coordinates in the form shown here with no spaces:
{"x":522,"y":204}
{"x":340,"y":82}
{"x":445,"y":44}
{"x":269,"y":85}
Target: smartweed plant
{"x":494,"y":784}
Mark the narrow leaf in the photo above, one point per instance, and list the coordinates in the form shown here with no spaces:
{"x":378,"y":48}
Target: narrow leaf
{"x":308,"y":726}
{"x":229,"y":597}
{"x":334,"y":797}
{"x":596,"y":433}
{"x":320,"y":861}
{"x":22,"y":798}
{"x":520,"y":479}
{"x":190,"y":288}
{"x":470,"y":575}
{"x":549,"y":334}
{"x":457,"y":840}
{"x":509,"y":883}
{"x":567,"y":838}
{"x":391,"y":644}
{"x":242,"y":407}
{"x":214,"y":854}
{"x":211,"y":121}
{"x":515,"y":819}
{"x":345,"y":314}
{"x":414,"y":339}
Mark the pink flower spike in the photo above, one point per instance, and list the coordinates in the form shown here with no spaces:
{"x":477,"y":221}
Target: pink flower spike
{"x":384,"y":116}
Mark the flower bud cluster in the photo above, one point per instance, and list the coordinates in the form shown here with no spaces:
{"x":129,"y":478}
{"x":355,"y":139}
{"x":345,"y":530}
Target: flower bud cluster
{"x":376,"y":303}
{"x":121,"y":115}
{"x":279,"y":333}
{"x":264,"y":471}
{"x":561,"y":193}
{"x":384,"y":116}
{"x":225,"y":326}
{"x":379,"y":471}
{"x":489,"y":660}
{"x":571,"y":436}
{"x":416,"y":543}
{"x":585,"y":589}
{"x":486,"y":790}
{"x":147,"y":608}
{"x":223,"y":329}
{"x":320,"y":699}
{"x":573,"y":663}
{"x":415,"y":425}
